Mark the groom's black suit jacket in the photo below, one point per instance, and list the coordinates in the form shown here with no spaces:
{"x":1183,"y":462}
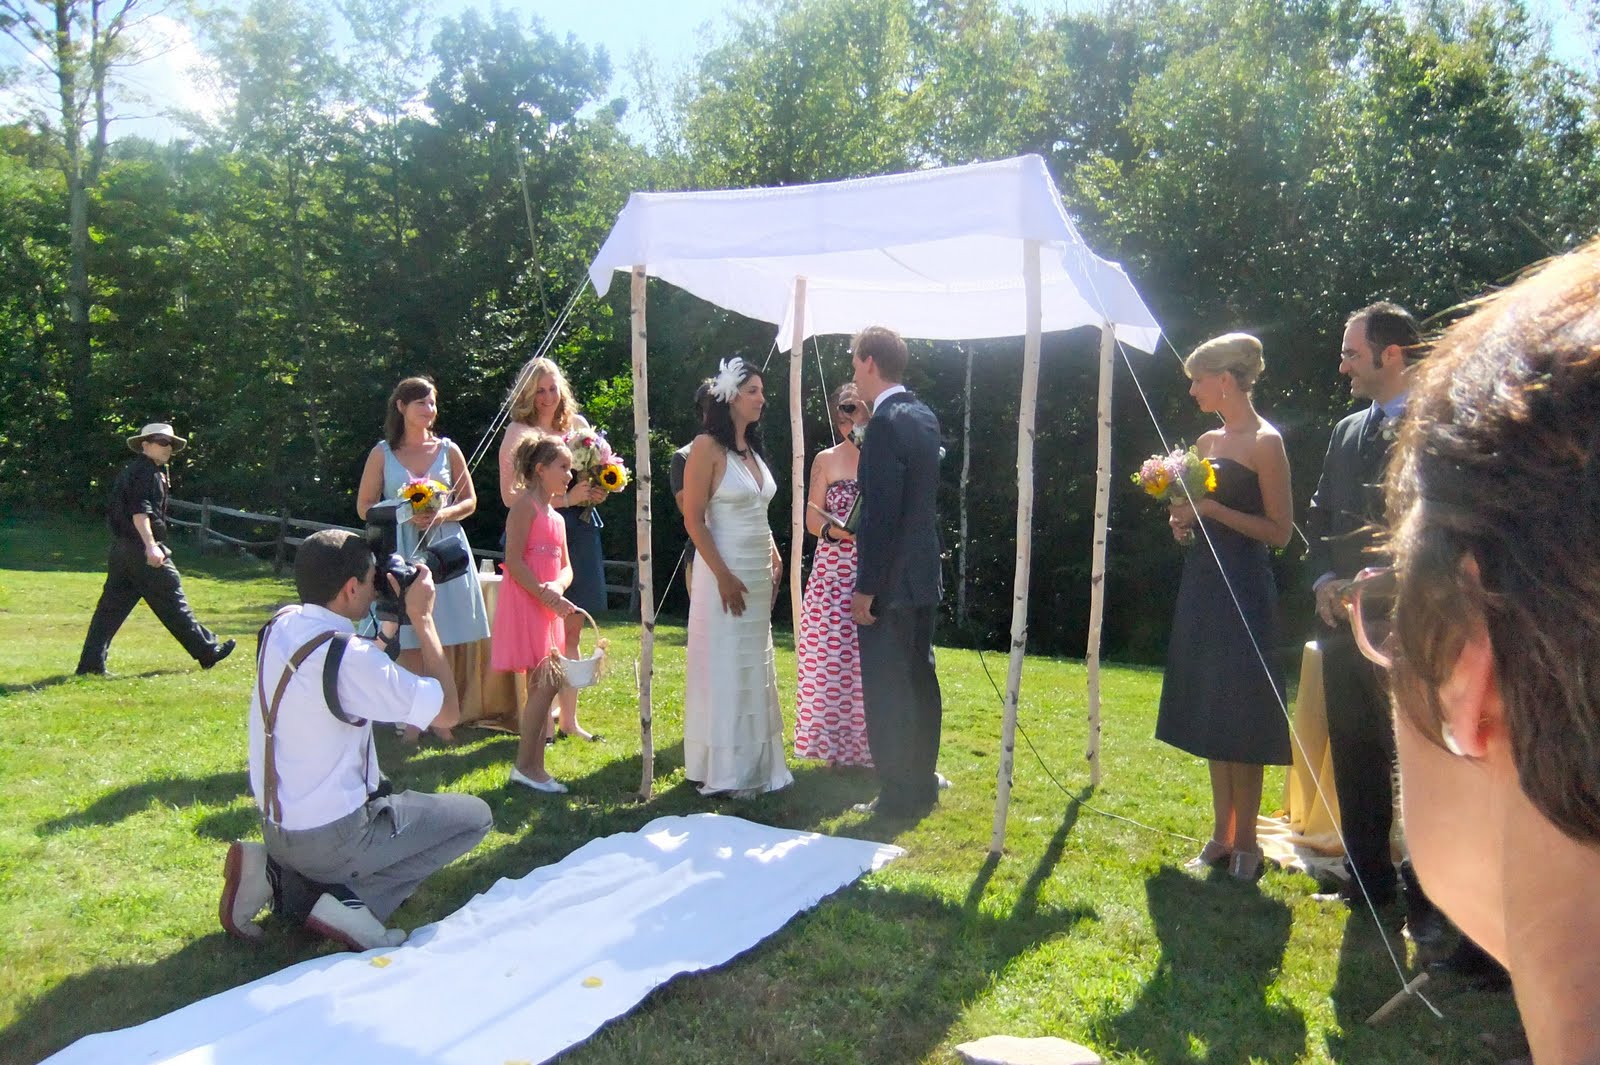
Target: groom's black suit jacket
{"x":1348,"y":503}
{"x":1341,"y":530}
{"x":897,"y":539}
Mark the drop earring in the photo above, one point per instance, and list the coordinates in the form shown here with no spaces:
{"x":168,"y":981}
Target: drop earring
{"x":1451,"y":744}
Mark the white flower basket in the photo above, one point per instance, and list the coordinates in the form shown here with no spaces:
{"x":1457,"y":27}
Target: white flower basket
{"x":576,"y":672}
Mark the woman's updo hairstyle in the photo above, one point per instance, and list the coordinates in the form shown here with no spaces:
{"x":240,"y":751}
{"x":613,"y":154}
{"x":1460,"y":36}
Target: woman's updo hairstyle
{"x":1235,"y":353}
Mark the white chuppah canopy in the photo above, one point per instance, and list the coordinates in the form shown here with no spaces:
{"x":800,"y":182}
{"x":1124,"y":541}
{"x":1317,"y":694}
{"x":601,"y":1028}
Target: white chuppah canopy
{"x":968,"y":252}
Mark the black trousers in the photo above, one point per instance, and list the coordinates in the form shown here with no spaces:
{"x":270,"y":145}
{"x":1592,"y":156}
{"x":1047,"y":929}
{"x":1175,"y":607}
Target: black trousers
{"x":903,"y":706}
{"x":128,"y":580}
{"x":1361,"y":739}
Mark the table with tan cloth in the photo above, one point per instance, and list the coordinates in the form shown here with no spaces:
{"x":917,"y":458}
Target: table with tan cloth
{"x":1306,"y":834}
{"x":488,"y":699}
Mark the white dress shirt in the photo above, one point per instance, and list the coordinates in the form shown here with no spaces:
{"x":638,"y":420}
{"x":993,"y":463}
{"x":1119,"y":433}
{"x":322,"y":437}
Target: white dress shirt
{"x":327,"y":768}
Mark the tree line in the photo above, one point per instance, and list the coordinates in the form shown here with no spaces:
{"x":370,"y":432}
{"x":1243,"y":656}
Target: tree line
{"x":383,"y":193}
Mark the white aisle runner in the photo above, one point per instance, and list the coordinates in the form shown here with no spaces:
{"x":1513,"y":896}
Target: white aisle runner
{"x":528,"y":968}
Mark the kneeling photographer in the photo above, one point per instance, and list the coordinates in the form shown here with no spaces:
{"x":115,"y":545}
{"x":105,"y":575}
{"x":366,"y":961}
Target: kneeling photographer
{"x":342,"y":850}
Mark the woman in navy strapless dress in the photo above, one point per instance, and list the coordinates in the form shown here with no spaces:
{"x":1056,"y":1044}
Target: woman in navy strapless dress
{"x":1222,"y":696}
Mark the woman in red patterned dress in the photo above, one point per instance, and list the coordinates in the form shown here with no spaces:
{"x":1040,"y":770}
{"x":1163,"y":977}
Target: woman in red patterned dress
{"x":830,"y":721}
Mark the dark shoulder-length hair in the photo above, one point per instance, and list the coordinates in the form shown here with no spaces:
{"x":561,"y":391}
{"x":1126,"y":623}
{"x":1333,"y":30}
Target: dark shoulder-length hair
{"x":719,"y":418}
{"x":1494,"y":509}
{"x":408,"y":391}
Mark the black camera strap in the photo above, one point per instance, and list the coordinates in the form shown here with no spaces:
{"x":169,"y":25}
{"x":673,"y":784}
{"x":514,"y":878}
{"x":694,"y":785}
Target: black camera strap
{"x":337,"y":642}
{"x":330,"y":680}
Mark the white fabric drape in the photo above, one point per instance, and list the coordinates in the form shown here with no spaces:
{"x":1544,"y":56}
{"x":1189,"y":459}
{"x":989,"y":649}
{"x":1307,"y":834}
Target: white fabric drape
{"x":932,"y":254}
{"x":530,"y":967}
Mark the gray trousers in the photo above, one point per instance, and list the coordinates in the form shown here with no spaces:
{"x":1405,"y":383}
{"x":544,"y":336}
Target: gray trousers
{"x":381,"y":852}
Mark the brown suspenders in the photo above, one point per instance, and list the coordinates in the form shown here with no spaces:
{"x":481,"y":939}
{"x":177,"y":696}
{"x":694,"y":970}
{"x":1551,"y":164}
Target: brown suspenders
{"x":269,"y":710}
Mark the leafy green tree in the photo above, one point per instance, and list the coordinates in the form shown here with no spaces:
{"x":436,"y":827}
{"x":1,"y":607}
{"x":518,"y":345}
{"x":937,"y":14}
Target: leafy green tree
{"x":80,"y":44}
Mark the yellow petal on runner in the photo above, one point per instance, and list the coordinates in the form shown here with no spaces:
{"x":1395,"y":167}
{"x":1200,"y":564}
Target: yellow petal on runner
{"x":381,"y":963}
{"x":592,"y":981}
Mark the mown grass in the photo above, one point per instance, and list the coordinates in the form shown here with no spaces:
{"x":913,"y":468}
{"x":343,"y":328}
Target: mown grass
{"x":119,"y":795}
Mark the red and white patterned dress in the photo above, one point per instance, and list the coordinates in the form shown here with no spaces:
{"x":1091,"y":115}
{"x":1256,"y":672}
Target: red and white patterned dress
{"x":830,"y":719}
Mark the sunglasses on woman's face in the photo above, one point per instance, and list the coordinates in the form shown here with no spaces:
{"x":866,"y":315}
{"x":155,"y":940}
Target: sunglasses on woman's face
{"x":159,"y":441}
{"x":1369,"y":600}
{"x":848,"y":407}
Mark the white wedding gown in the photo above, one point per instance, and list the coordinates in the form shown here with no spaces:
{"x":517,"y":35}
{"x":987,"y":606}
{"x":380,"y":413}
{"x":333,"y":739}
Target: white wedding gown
{"x":732,"y":726}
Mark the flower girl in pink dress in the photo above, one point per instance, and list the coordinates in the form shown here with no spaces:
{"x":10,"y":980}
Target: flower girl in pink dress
{"x":528,"y":619}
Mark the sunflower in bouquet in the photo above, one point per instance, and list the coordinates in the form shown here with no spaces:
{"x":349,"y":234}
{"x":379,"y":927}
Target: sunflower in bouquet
{"x":424,"y":494}
{"x":1182,"y":476}
{"x":594,"y":462}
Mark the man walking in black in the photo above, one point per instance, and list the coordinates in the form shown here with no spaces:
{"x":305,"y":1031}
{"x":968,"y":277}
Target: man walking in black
{"x":898,"y":581}
{"x":139,"y":564}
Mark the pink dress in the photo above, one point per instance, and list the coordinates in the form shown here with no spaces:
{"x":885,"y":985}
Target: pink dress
{"x":830,"y":718}
{"x":525,"y":630}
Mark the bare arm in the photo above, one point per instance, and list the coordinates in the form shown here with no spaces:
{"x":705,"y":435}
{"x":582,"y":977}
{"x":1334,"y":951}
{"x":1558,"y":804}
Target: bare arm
{"x":464,"y":496}
{"x":518,"y":522}
{"x":699,"y":480}
{"x":516,"y":433}
{"x":419,"y":608}
{"x":371,"y":490}
{"x":818,"y":494}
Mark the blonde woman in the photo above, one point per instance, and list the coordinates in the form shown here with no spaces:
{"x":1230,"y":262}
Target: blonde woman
{"x":542,"y":405}
{"x":1222,"y":696}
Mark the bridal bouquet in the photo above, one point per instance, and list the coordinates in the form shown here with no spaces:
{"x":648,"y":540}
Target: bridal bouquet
{"x":594,"y":461}
{"x":1178,"y":477}
{"x":424,"y":493}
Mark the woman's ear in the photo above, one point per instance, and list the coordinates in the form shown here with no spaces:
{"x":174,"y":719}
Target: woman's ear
{"x":1470,"y":698}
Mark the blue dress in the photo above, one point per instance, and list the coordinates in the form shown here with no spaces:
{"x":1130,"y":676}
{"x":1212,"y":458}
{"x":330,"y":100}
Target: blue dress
{"x":588,"y":588}
{"x":458,"y":611}
{"x":1220,"y":699}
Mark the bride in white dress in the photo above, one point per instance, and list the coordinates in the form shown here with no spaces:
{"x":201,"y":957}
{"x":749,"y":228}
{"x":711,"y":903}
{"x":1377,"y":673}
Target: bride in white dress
{"x":732,"y":725}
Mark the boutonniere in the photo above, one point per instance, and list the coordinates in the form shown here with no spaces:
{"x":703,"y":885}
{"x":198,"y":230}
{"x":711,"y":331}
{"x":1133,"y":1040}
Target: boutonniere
{"x":1389,"y":428}
{"x":859,"y":434}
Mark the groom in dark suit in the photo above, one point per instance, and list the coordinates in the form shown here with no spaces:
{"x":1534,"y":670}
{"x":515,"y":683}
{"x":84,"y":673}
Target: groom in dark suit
{"x":899,"y":580}
{"x":1381,"y":342}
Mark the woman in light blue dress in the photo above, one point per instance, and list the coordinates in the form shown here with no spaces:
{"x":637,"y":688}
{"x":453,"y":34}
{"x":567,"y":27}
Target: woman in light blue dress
{"x":409,"y":450}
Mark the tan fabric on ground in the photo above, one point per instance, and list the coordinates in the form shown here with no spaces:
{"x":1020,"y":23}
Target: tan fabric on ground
{"x":488,"y":699}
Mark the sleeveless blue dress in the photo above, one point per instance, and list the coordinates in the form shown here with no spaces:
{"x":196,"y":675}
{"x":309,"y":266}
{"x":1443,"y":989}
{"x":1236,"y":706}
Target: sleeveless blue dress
{"x":1220,"y":699}
{"x":458,"y":610}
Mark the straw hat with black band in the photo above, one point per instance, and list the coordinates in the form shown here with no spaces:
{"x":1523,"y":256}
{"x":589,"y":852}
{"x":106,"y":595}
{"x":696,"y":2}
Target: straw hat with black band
{"x":136,"y":443}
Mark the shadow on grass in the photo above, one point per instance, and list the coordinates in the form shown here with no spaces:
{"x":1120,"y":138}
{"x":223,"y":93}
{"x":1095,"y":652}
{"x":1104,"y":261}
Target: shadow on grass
{"x":119,"y":996}
{"x":874,"y":974}
{"x":1366,"y":979}
{"x":105,"y":678}
{"x":1222,"y":944}
{"x":218,"y":789}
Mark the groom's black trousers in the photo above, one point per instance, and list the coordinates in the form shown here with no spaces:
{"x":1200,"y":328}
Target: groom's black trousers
{"x":903,"y":705}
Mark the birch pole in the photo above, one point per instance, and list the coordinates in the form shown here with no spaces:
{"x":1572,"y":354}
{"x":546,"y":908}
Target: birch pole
{"x":1019,"y":583}
{"x":1097,"y":565}
{"x":966,"y":474}
{"x":641,"y":526}
{"x":797,"y":473}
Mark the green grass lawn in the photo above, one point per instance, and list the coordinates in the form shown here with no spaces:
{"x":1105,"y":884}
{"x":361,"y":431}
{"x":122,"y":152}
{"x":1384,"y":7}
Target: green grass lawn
{"x":118,"y":796}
